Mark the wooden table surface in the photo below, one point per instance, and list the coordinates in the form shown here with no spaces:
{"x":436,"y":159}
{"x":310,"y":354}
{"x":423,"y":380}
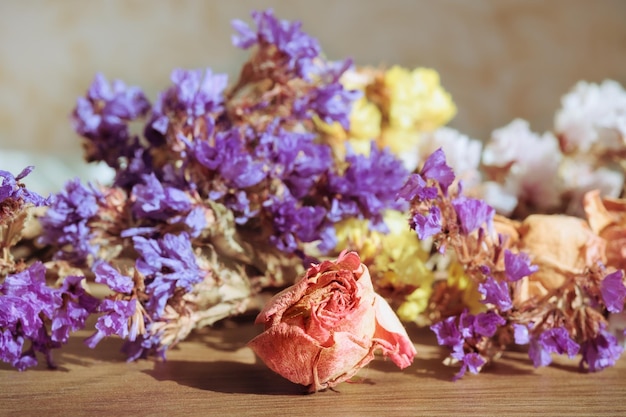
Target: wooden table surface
{"x":214,"y":373}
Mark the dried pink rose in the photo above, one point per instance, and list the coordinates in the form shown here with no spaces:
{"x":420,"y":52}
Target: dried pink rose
{"x":324,"y":328}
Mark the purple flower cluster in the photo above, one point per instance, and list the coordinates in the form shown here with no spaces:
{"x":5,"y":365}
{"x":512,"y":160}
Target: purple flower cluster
{"x":167,"y":264}
{"x":293,"y":158}
{"x":297,"y":49}
{"x":103,"y":118}
{"x":426,"y":189}
{"x":196,"y":95}
{"x":367,"y":186}
{"x":113,"y":320}
{"x":613,"y":291}
{"x":12,"y":189}
{"x":37,"y":318}
{"x":169,"y":268}
{"x":294,"y":223}
{"x":497,"y":291}
{"x":423,"y":190}
{"x":153,"y":200}
{"x":115,"y":313}
{"x":517,"y":265}
{"x":253,"y":149}
{"x":229,"y":163}
{"x":466,"y":224}
{"x":287,"y":55}
{"x":330,"y":102}
{"x":554,"y":340}
{"x":601,"y":352}
{"x":461,"y":334}
{"x":473,"y":213}
{"x":66,"y":222}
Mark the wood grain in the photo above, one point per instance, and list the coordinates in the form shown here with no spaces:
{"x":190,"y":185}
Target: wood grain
{"x":214,"y":373}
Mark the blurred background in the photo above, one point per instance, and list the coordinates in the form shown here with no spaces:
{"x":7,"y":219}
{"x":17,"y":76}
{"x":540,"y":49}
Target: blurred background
{"x":499,"y":59}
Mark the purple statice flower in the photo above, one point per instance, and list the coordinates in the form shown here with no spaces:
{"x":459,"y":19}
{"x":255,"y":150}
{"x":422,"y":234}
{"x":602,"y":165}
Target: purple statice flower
{"x":435,"y":168}
{"x":426,"y":225}
{"x":167,"y":264}
{"x":466,"y":324}
{"x":27,"y":304}
{"x":196,"y":221}
{"x":294,"y":224}
{"x":153,"y":200}
{"x":613,"y":291}
{"x":521,"y":334}
{"x":367,"y":187}
{"x":472,"y":362}
{"x":11,"y":347}
{"x":103,"y":117}
{"x":11,"y":188}
{"x":416,"y":186}
{"x":143,"y":345}
{"x":331,"y":103}
{"x":538,"y":353}
{"x":140,"y":163}
{"x":106,"y":274}
{"x":496,"y":293}
{"x":30,"y":286}
{"x":239,"y":203}
{"x":229,"y":159}
{"x":71,"y":315}
{"x":293,"y":158}
{"x":114,"y":320}
{"x":296,"y":48}
{"x":456,"y":332}
{"x":447,"y":332}
{"x":342,"y":209}
{"x":245,"y":37}
{"x":194,"y":94}
{"x":486,"y":324}
{"x":555,"y":340}
{"x":328,"y":238}
{"x":601,"y":352}
{"x":66,"y":222}
{"x":517,"y":265}
{"x":197,"y":92}
{"x":472,"y":213}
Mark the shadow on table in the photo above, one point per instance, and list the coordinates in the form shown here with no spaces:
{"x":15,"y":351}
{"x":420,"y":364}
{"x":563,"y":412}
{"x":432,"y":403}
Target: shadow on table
{"x":224,"y":376}
{"x":433,"y":367}
{"x":75,"y":352}
{"x":228,"y":335}
{"x":562,"y":363}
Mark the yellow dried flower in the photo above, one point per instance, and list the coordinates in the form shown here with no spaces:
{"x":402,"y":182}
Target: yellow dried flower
{"x":365,"y":120}
{"x":415,"y":304}
{"x":459,"y":280}
{"x":355,"y":234}
{"x":417,"y":100}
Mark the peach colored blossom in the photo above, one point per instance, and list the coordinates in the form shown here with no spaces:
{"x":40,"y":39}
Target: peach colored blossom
{"x":562,"y":246}
{"x":607,"y":218}
{"x":324,"y":328}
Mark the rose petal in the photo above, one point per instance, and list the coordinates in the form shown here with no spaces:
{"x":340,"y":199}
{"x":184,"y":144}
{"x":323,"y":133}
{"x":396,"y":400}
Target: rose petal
{"x":342,"y":361}
{"x":288,"y":351}
{"x":274,"y":309}
{"x":391,"y":336}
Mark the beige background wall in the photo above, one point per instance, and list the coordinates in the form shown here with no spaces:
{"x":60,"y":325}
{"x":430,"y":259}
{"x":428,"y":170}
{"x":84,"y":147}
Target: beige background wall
{"x":500,"y":59}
